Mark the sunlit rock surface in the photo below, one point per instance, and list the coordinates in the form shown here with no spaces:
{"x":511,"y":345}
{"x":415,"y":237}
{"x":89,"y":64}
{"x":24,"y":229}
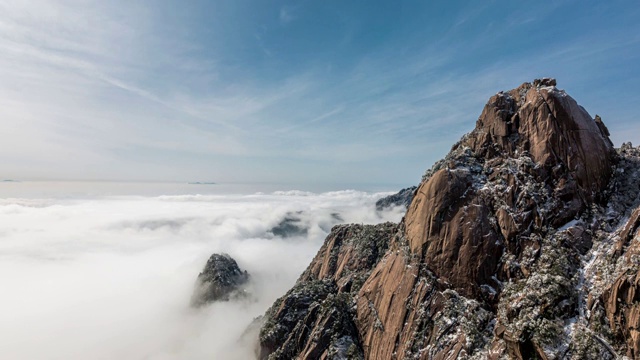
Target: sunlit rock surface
{"x":521,"y":243}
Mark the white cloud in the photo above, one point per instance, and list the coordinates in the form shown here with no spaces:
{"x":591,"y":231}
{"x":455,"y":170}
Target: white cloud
{"x":111,"y":277}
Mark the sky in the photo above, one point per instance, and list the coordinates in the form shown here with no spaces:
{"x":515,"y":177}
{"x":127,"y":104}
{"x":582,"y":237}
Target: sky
{"x":289,"y":92}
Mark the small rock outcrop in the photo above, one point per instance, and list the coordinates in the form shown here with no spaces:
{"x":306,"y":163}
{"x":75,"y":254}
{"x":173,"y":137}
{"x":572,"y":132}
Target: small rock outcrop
{"x":220,"y":280}
{"x":522,"y":243}
{"x":401,"y":198}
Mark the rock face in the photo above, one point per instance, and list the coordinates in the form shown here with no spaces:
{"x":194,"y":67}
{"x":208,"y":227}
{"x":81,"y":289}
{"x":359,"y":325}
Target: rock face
{"x":401,"y":198}
{"x":315,"y":319}
{"x":619,"y":284}
{"x":534,"y":135}
{"x":521,"y":243}
{"x":220,"y":280}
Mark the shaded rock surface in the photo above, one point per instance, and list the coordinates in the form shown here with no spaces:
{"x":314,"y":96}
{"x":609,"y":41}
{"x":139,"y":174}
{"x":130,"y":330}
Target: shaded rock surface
{"x":220,"y":280}
{"x":401,"y":198}
{"x":522,"y":243}
{"x":315,"y":319}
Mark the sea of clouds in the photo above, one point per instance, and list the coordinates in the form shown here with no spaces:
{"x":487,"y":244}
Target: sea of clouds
{"x":110,"y":277}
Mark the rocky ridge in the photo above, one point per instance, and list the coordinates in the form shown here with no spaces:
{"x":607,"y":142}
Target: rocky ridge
{"x":320,"y":305}
{"x":401,"y":198}
{"x":521,"y":243}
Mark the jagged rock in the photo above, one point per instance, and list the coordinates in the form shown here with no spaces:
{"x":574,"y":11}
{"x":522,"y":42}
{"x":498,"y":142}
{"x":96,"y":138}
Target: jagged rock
{"x":401,"y":198}
{"x":554,"y":143}
{"x":622,"y":301}
{"x":520,"y":243}
{"x":315,"y":319}
{"x":220,"y":280}
{"x":629,"y":230}
{"x":580,"y":238}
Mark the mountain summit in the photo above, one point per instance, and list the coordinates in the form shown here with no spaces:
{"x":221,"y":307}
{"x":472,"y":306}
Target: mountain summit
{"x":521,"y":243}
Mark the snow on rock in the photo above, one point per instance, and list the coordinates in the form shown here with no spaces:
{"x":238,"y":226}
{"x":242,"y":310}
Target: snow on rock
{"x":521,"y":243}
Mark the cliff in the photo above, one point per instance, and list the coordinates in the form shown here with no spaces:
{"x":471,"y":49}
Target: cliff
{"x":521,"y":243}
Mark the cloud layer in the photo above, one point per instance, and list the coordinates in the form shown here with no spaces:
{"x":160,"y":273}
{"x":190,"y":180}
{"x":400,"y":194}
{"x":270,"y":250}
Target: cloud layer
{"x":111,"y":277}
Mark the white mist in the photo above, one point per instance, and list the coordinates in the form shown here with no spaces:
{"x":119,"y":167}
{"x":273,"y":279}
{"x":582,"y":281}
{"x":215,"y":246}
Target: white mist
{"x":110,"y":277}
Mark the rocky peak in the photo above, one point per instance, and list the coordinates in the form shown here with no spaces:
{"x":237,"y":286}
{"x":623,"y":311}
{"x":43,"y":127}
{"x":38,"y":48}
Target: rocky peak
{"x":521,"y":243}
{"x":543,"y":121}
{"x":220,"y":280}
{"x":535,"y":159}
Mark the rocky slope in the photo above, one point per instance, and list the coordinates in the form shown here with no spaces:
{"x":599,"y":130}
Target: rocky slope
{"x":520,"y":244}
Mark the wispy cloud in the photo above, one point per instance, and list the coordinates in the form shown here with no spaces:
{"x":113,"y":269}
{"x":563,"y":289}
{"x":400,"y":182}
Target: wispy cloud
{"x":127,"y":90}
{"x":287,"y":14}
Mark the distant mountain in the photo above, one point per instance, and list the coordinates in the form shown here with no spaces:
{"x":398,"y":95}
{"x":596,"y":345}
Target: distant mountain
{"x":521,"y":243}
{"x":401,"y":198}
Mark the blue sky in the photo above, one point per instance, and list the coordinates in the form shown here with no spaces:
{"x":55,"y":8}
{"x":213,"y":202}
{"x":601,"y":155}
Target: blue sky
{"x":281,"y":91}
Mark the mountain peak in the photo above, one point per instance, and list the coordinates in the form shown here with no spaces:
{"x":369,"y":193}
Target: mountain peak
{"x":521,"y":243}
{"x":535,"y":159}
